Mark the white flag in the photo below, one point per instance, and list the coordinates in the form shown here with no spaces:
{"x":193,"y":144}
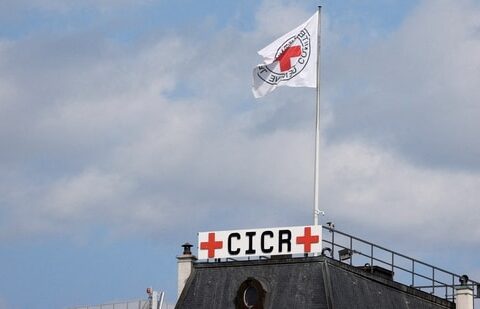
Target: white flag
{"x":289,"y":61}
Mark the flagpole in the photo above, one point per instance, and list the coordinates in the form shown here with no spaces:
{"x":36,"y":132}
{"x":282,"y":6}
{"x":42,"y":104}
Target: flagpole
{"x":316,"y":209}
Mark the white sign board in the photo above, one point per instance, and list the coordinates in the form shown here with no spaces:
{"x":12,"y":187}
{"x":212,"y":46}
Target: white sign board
{"x":255,"y":242}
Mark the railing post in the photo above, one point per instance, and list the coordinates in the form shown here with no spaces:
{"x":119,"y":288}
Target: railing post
{"x":351,"y":250}
{"x":371,"y":257}
{"x":333,"y":244}
{"x":413,"y":273}
{"x":393,"y":261}
{"x":453,"y":288}
{"x":433,"y":280}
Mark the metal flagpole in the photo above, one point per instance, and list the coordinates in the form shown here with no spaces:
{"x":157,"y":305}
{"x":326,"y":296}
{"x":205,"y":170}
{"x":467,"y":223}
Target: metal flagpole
{"x":316,"y":210}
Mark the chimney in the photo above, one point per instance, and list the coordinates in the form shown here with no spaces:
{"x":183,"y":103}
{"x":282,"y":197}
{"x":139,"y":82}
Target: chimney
{"x":184,"y":266}
{"x":464,"y":294}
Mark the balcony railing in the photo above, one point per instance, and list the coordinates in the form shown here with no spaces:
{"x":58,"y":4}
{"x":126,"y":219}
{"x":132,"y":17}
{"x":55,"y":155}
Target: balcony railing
{"x":406,"y":270}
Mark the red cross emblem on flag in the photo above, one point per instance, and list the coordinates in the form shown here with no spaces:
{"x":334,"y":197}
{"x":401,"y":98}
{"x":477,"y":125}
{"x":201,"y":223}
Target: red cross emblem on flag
{"x":285,"y":58}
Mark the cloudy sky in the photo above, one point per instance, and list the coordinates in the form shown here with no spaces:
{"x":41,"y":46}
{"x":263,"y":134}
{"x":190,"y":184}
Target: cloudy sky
{"x":128,"y":126}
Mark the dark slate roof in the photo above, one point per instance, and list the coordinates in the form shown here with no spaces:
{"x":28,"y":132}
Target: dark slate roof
{"x":312,"y":282}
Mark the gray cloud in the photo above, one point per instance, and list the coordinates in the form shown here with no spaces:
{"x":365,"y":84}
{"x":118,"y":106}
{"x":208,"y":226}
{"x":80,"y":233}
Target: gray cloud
{"x":417,"y":88}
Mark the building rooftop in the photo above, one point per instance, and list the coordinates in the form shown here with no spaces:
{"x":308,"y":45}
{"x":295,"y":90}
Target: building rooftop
{"x":384,"y":279}
{"x":310,"y":282}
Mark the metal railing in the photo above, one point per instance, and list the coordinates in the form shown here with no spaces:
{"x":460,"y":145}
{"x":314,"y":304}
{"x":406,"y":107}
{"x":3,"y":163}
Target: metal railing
{"x":131,"y":304}
{"x":406,"y":270}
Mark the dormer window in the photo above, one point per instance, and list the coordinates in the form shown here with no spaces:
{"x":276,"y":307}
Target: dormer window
{"x":250,"y":295}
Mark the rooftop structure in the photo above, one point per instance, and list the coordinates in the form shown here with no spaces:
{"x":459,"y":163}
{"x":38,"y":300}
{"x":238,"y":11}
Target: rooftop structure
{"x":382,"y":279}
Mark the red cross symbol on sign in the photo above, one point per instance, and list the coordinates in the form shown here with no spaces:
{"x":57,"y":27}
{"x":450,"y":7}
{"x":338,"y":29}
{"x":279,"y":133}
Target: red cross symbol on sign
{"x":286,"y":56}
{"x":211,"y":245}
{"x":307,"y":240}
